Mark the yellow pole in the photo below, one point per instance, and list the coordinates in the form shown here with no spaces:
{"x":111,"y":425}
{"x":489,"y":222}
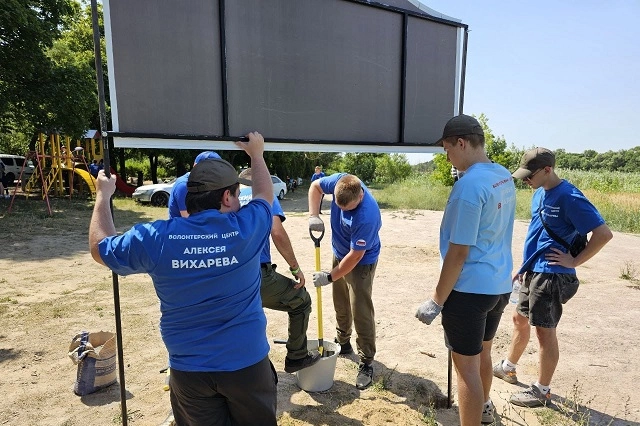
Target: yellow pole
{"x":319,"y":299}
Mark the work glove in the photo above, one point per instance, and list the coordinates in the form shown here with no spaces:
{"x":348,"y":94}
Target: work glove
{"x":316,"y":224}
{"x":320,"y":278}
{"x":428,"y":311}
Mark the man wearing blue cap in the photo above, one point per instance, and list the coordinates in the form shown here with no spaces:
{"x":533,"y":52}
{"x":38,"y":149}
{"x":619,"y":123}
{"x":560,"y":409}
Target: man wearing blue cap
{"x":177,"y":199}
{"x":178,"y":208}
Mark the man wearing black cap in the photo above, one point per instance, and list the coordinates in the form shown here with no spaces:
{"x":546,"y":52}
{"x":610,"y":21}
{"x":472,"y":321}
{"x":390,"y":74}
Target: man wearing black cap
{"x":206,"y":272}
{"x":178,"y":197}
{"x":475,"y":279}
{"x":559,"y":214}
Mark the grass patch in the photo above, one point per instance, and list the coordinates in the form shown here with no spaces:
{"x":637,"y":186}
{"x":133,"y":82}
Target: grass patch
{"x":416,"y":193}
{"x":382,"y":384}
{"x":573,"y":410}
{"x":429,"y":416}
{"x":629,"y":271}
{"x":618,"y":208}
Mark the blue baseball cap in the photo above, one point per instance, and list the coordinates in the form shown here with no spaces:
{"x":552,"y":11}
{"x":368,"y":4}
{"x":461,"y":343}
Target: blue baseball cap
{"x":206,"y":155}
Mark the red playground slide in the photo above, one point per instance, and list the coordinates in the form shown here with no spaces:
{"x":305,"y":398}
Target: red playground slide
{"x":122,"y":185}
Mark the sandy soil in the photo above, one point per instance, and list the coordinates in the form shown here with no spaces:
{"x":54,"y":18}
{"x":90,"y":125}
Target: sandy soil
{"x":51,"y":289}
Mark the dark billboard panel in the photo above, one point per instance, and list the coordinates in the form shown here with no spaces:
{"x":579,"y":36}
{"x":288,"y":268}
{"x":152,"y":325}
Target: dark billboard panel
{"x":310,"y":75}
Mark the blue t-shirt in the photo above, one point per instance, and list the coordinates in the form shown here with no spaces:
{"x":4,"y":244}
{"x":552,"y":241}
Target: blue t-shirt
{"x":178,"y":197}
{"x":567,"y":212}
{"x":356,"y":229}
{"x":246,"y":195}
{"x":93,"y":169}
{"x":317,"y":176}
{"x":206,"y":273}
{"x":480,"y":214}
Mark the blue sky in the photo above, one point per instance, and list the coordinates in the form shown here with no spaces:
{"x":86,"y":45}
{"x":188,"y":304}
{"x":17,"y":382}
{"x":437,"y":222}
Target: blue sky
{"x":559,"y":74}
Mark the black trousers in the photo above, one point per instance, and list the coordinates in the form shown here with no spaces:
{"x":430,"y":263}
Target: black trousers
{"x":243,"y":397}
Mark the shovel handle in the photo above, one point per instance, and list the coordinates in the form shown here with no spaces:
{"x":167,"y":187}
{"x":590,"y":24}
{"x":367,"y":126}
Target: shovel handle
{"x":316,"y":242}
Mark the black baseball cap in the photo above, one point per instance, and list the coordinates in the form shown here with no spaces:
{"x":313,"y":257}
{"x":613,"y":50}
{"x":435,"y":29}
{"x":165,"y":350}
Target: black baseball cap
{"x":460,"y":125}
{"x":212,"y":174}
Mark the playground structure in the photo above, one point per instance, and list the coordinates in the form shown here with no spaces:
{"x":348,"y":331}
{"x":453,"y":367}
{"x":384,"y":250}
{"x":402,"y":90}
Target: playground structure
{"x":56,"y":166}
{"x":62,"y":167}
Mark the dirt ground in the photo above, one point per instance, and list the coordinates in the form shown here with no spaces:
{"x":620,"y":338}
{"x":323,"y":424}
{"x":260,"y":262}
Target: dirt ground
{"x":51,"y":289}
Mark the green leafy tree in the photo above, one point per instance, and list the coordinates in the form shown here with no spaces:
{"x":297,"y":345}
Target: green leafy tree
{"x":392,"y":168}
{"x":362,"y":165}
{"x":496,"y":147}
{"x":442,"y":171}
{"x":38,"y":89}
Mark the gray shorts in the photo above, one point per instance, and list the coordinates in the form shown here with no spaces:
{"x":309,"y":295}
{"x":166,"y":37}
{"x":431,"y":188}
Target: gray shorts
{"x":542,"y":296}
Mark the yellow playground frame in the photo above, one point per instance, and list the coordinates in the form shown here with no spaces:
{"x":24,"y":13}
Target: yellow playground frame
{"x":58,"y":163}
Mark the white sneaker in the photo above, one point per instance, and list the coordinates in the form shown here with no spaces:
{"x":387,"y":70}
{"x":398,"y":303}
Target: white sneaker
{"x":488,"y":415}
{"x":531,"y":397}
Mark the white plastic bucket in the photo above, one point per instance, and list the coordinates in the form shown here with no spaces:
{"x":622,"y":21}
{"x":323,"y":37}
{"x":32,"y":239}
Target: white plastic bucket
{"x":319,"y":377}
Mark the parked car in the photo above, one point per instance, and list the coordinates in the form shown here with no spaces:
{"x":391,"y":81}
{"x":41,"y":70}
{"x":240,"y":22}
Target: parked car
{"x":13,"y":166}
{"x":279,"y":187}
{"x":156,"y":194}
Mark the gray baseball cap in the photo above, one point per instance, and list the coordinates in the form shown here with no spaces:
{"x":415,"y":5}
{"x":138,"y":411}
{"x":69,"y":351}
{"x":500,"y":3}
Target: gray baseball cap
{"x":212,"y":174}
{"x":534,"y":159}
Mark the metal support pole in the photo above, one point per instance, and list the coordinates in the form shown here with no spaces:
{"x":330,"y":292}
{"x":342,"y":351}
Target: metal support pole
{"x":449,"y":362}
{"x":107,"y":171}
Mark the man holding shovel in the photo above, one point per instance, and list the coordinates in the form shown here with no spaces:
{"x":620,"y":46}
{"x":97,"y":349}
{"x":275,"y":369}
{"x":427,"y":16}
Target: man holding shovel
{"x":355,"y":223}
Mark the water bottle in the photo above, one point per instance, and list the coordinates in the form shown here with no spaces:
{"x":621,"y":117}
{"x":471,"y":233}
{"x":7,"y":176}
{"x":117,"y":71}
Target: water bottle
{"x":515,"y":291}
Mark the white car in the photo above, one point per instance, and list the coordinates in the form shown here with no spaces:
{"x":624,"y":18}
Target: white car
{"x":279,"y":187}
{"x":156,"y":194}
{"x":13,"y":165}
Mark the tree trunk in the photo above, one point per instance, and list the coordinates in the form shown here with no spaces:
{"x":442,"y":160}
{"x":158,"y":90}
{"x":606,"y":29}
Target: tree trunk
{"x":123,"y":169}
{"x":181,"y":168}
{"x":153,"y":166}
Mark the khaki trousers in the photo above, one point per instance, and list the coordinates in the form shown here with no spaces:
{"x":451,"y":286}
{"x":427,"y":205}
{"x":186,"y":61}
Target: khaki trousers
{"x":354,"y":307}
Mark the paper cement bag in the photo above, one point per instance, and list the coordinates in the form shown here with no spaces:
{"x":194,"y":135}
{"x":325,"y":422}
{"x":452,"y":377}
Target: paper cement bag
{"x":95,"y":355}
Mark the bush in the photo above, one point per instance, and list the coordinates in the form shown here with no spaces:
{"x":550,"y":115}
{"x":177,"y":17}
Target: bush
{"x":392,"y":168}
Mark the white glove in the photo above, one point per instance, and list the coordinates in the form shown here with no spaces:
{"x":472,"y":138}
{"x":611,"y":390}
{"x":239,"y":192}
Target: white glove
{"x":428,"y":311}
{"x":316,"y":224}
{"x":320,"y":279}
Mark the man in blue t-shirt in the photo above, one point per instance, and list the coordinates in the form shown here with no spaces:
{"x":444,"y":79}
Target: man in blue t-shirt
{"x":178,"y":208}
{"x":283,"y":293}
{"x":206,"y":272}
{"x":178,"y":197}
{"x":476,"y":264}
{"x":355,"y":223}
{"x":318,"y":173}
{"x":93,"y":168}
{"x":558,"y":211}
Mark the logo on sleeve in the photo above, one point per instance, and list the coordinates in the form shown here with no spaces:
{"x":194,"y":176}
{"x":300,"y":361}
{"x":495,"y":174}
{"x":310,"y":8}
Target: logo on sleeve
{"x":361,"y":243}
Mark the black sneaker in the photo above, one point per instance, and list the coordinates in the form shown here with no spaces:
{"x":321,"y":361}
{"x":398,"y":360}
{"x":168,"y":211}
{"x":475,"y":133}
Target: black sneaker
{"x":293,"y":365}
{"x":365,"y":376}
{"x":345,"y":348}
